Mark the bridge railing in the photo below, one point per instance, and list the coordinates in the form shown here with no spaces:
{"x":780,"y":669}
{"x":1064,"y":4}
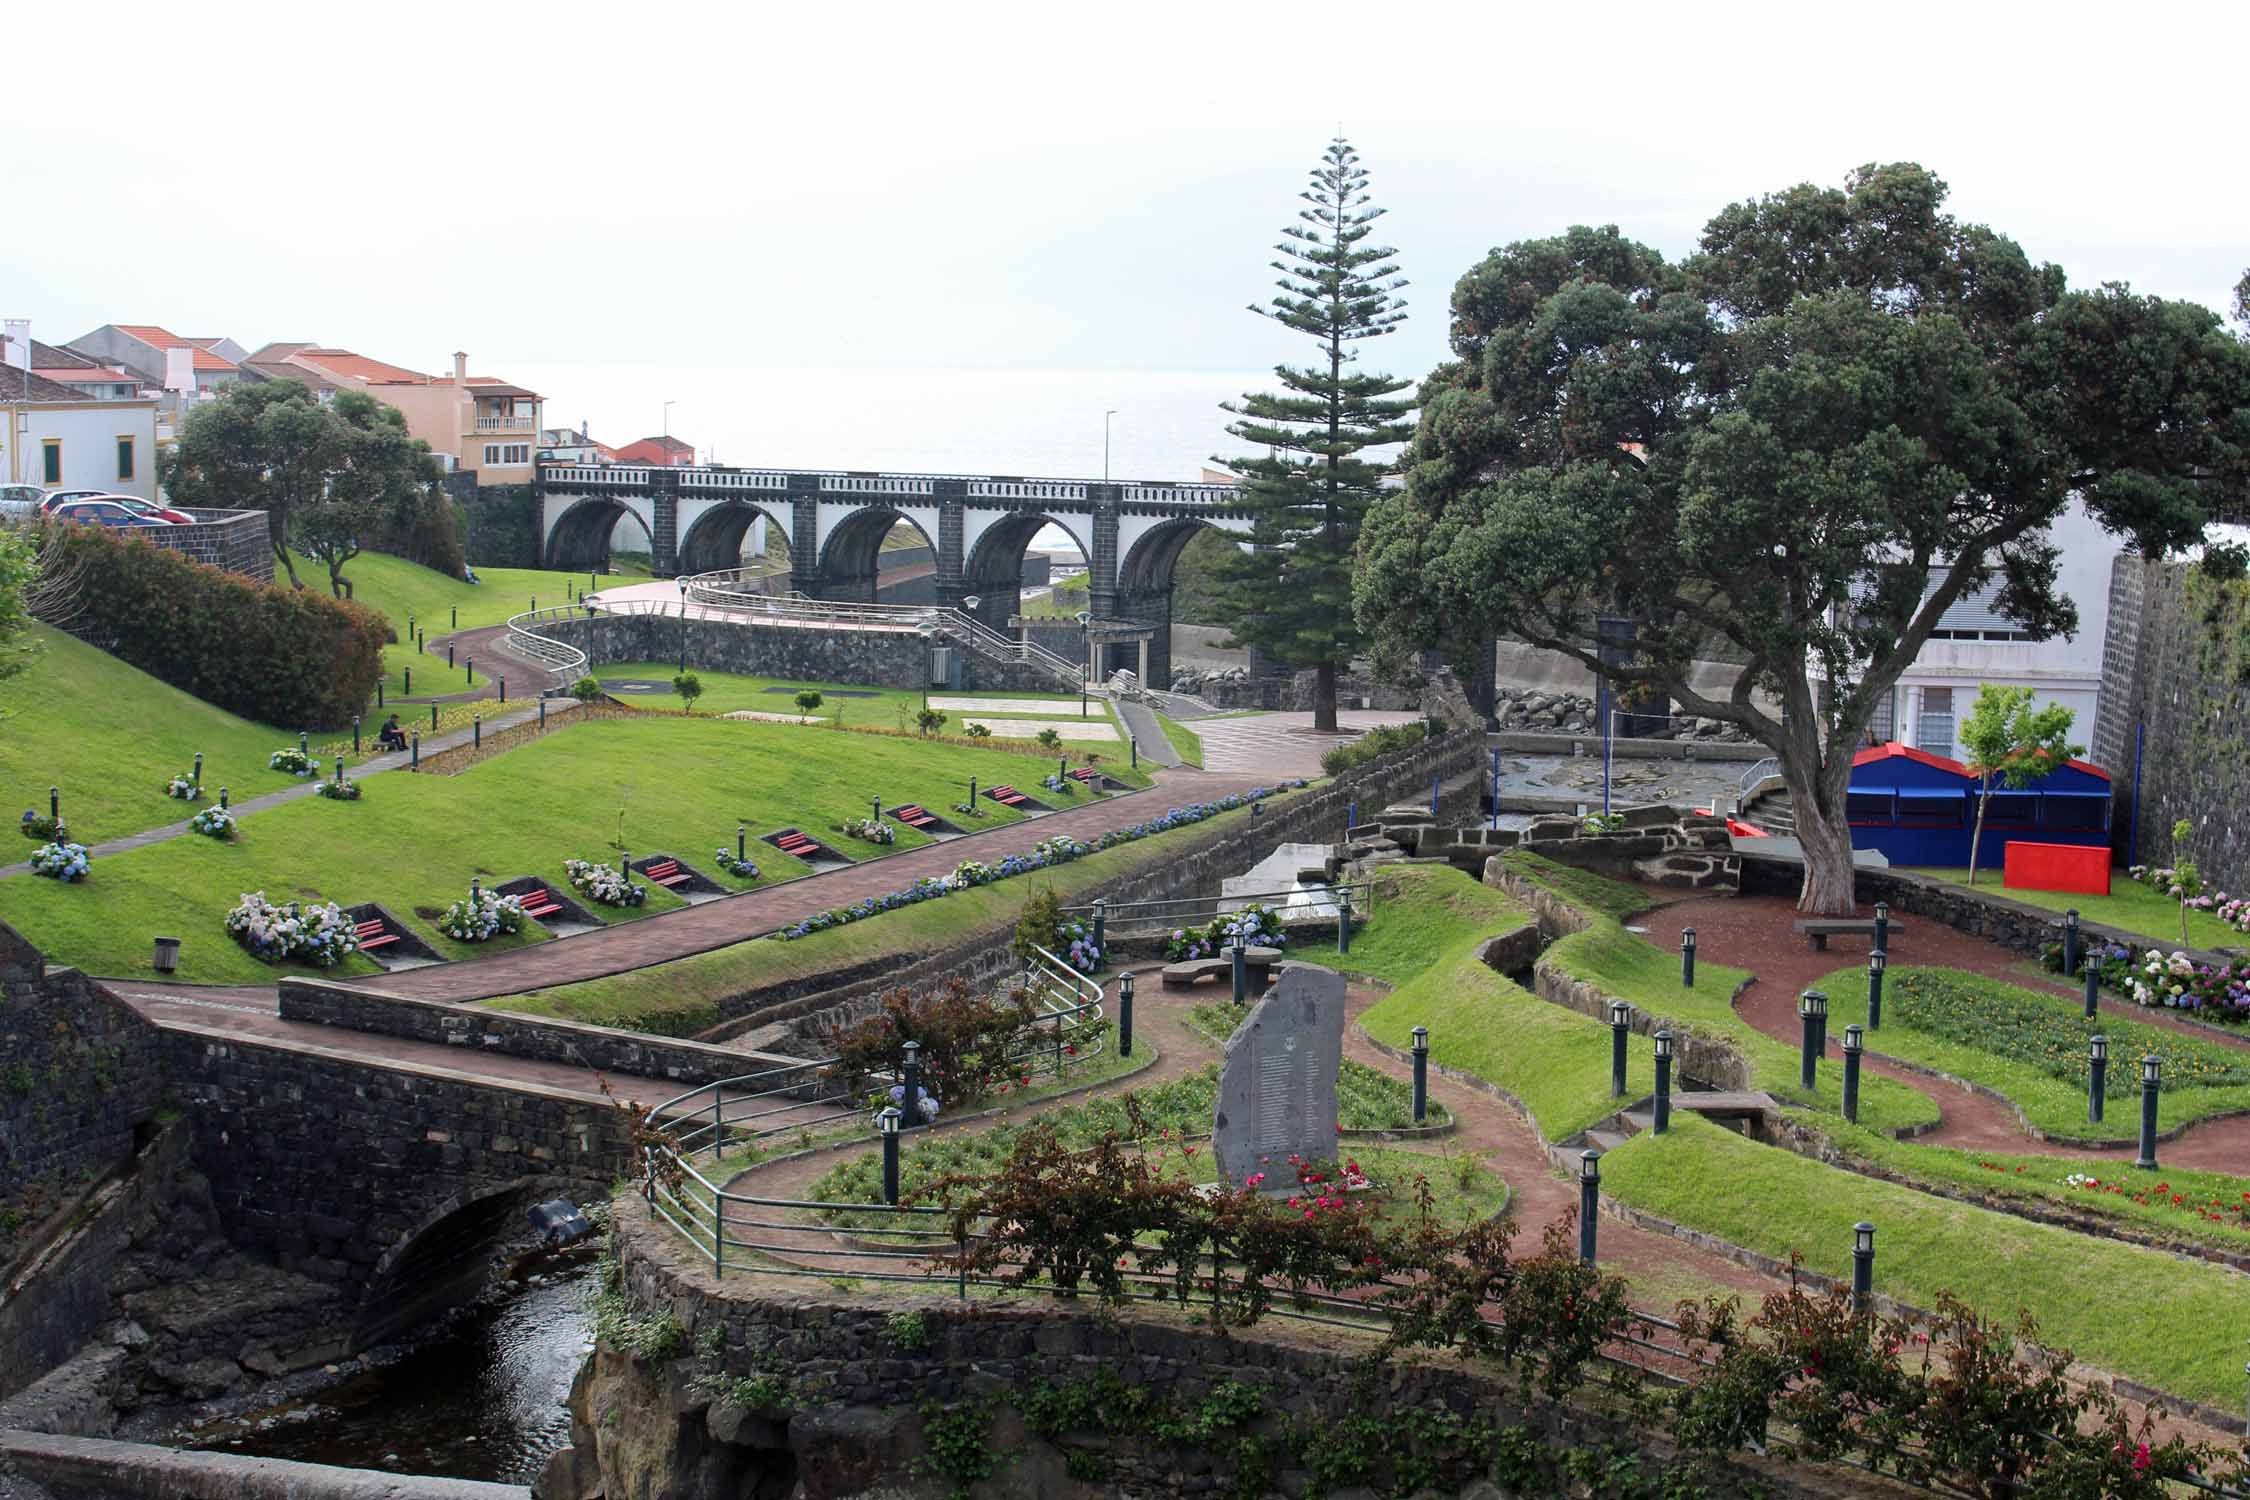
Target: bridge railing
{"x":1010,"y":488}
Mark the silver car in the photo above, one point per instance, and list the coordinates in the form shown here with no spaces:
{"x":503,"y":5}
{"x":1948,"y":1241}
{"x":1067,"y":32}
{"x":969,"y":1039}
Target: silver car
{"x":20,"y":502}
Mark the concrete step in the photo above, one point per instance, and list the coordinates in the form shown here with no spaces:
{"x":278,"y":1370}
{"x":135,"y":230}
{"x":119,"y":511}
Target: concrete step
{"x":1604,"y":1141}
{"x":1641,"y":1119}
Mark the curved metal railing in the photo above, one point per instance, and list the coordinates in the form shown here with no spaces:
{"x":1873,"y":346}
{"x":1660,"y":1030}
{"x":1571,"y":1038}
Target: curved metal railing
{"x":559,"y":657}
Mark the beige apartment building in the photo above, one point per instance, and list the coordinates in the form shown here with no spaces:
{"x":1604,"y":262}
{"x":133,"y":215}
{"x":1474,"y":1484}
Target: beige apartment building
{"x":481,"y":424}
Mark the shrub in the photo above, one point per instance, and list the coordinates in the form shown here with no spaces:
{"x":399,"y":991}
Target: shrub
{"x":213,"y":823}
{"x":740,"y":869}
{"x":1048,"y":739}
{"x":184,"y":788}
{"x":1036,"y":928}
{"x":603,"y":884}
{"x":481,"y":918}
{"x":968,"y":1041}
{"x":689,"y":687}
{"x":873,"y":831}
{"x":929,"y":721}
{"x":43,"y":828}
{"x":67,"y":863}
{"x":1376,"y":742}
{"x":267,"y":652}
{"x":586,"y":689}
{"x":337,"y":789}
{"x":428,"y":533}
{"x":806,"y":702}
{"x":317,"y":932}
{"x":293,"y":761}
{"x":1254,"y":924}
{"x":2224,"y":562}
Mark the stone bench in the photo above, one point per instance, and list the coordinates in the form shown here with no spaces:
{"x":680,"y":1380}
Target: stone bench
{"x":1818,"y":930}
{"x":1190,"y":971}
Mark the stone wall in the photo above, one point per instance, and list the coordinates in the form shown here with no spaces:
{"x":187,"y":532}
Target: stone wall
{"x":795,"y":653}
{"x":859,"y":1394}
{"x":2176,"y":685}
{"x":1667,"y":846}
{"x":80,"y":1073}
{"x":325,"y":1162}
{"x":75,"y":1468}
{"x":238,"y":540}
{"x":594,"y":1047}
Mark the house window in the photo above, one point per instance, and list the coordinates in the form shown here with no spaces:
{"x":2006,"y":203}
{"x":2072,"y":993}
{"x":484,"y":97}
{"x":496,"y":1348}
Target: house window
{"x":1933,"y":730}
{"x":1872,"y":808}
{"x":1930,"y":810}
{"x":2067,"y":814}
{"x":492,"y":453}
{"x":2011,"y":810}
{"x":50,"y":461}
{"x":124,"y":456}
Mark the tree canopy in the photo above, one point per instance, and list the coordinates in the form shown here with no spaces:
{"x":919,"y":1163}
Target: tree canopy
{"x":1290,"y":594}
{"x":1845,"y":413}
{"x":2010,"y":740}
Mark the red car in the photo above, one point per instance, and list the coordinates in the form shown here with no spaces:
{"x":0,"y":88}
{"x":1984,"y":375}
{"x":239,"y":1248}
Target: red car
{"x":133,"y":503}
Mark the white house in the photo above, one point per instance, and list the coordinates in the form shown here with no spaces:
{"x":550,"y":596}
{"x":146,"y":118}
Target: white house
{"x":58,"y":438}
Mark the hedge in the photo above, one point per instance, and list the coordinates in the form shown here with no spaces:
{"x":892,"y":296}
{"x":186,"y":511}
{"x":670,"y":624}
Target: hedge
{"x":296,"y":658}
{"x":502,"y":524}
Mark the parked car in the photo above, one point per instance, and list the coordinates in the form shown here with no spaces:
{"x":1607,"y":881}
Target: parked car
{"x":20,"y":502}
{"x":53,"y":498}
{"x":102,"y":513}
{"x":140,"y":507}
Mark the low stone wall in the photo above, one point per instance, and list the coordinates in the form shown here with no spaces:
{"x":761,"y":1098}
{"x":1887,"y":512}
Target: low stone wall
{"x":598,"y":1048}
{"x":1623,"y":747}
{"x":238,"y":540}
{"x":1665,"y":846}
{"x":796,"y":653}
{"x":75,"y":1468}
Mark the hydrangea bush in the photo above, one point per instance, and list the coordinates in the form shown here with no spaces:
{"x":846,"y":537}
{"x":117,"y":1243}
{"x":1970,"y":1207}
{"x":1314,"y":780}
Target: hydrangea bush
{"x":1254,"y":924}
{"x":65,"y":862}
{"x":43,"y":828}
{"x":1058,"y":850}
{"x":213,"y":823}
{"x":316,"y":932}
{"x":483,"y":917}
{"x":337,"y":789}
{"x":2215,"y":992}
{"x":873,"y":830}
{"x":184,"y":788}
{"x":294,"y":761}
{"x":603,"y":883}
{"x":741,"y":869}
{"x":2165,"y":880}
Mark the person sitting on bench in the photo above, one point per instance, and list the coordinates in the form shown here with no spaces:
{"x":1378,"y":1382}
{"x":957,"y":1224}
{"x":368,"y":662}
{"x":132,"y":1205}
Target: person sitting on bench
{"x":392,"y":737}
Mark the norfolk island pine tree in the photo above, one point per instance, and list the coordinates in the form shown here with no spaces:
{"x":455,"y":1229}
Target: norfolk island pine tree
{"x":1290,"y":593}
{"x":1847,"y":413}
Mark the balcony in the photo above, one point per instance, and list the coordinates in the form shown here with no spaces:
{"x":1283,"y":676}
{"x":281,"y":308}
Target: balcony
{"x":507,"y":424}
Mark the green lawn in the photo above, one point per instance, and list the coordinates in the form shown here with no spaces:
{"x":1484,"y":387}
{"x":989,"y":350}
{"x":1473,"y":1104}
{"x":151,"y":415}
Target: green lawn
{"x":413,"y":842}
{"x":2174,"y":1324}
{"x":2130,"y":906}
{"x":1422,"y":914}
{"x":110,"y":736}
{"x":2047,"y":1035}
{"x":1590,"y":893}
{"x":1186,"y":743}
{"x":682,"y":997}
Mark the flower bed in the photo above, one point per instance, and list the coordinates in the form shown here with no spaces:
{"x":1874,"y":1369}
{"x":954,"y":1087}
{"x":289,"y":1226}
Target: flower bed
{"x":183,"y":788}
{"x":46,"y":830}
{"x":337,"y":789}
{"x":2215,"y":992}
{"x":2165,"y":880}
{"x":213,"y":823}
{"x":1048,"y":852}
{"x":65,"y":862}
{"x":483,"y":917}
{"x":2050,"y":1034}
{"x":603,"y":884}
{"x":1254,"y":924}
{"x":295,"y":762}
{"x":740,"y":869}
{"x":2212,"y":1210}
{"x":316,"y":933}
{"x":873,"y":830}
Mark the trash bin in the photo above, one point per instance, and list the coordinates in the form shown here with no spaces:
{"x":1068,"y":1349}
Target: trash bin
{"x":167,"y":955}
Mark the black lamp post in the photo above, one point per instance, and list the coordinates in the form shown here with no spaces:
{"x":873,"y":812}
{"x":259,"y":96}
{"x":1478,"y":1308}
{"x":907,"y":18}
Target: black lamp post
{"x":1620,"y":1027}
{"x":2093,"y":988}
{"x":1687,"y":958}
{"x":2070,"y":941}
{"x":741,"y":842}
{"x":1882,"y":924}
{"x":1101,"y":924}
{"x":2152,"y":1079}
{"x":1812,"y":1013}
{"x":1344,"y":920}
{"x":886,"y":1122}
{"x":1863,"y":1265}
{"x":1125,"y":1014}
{"x":1589,"y":1202}
{"x":1851,"y":1073}
{"x":1421,"y":1075}
{"x":910,"y":1079}
{"x":1663,"y":1081}
{"x":683,"y":625}
{"x":1876,"y":963}
{"x":2097,"y":1080}
{"x":1241,"y":970}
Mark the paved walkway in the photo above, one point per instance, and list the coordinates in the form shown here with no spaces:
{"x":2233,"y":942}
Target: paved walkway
{"x":1140,"y":720}
{"x":754,"y":913}
{"x":1284,"y":744}
{"x":373,"y":765}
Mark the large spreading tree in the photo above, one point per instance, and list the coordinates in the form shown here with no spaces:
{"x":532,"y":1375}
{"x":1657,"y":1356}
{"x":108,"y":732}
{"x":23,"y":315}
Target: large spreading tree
{"x":1290,"y":594}
{"x":1801,"y":446}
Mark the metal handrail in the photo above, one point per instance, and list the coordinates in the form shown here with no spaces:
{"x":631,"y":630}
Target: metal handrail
{"x":556,"y":656}
{"x":1166,"y":912}
{"x":1759,"y":771}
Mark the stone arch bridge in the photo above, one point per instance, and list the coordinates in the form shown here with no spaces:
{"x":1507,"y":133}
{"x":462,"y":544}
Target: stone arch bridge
{"x":978,"y":528}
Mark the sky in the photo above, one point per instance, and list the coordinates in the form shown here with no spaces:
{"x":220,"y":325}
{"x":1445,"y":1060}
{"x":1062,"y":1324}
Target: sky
{"x":1037,"y":187}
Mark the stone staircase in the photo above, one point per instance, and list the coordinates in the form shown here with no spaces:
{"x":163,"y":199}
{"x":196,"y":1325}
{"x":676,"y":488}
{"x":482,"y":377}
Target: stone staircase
{"x":1773,"y":812}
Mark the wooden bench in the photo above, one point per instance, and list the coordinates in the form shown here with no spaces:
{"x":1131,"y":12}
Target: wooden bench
{"x":538,"y":903}
{"x":914,"y":815}
{"x":799,"y":845}
{"x":374,"y":934}
{"x":1818,"y":930}
{"x":1007,"y":796}
{"x":667,"y":873}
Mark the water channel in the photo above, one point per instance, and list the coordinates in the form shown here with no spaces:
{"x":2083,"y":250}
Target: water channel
{"x":482,"y":1400}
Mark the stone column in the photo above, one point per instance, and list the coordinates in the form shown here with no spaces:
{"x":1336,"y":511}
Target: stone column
{"x":804,"y":534}
{"x":952,"y":498}
{"x":664,"y":535}
{"x":1101,"y":568}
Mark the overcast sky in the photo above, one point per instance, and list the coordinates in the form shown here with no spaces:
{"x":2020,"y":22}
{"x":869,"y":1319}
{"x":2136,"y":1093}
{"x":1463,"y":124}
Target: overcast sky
{"x":1067,"y":186}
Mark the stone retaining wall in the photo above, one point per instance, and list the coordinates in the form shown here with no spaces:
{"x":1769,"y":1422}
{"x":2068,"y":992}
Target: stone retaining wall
{"x":1665,"y":846}
{"x":239,"y":541}
{"x":103,"y":1469}
{"x":794,"y":653}
{"x":596,"y":1048}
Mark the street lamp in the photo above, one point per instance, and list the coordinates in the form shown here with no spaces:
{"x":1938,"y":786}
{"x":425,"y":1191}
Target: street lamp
{"x":1663,"y":1041}
{"x":1863,"y":1265}
{"x":2097,"y":1081}
{"x":683,"y":626}
{"x":668,"y":417}
{"x":2152,"y":1078}
{"x":1086,"y":638}
{"x":1620,"y":1026}
{"x":1105,"y":443}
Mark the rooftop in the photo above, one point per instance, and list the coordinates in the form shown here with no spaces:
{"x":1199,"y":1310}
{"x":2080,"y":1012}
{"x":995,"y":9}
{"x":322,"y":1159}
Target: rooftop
{"x":158,"y":338}
{"x":27,"y":385}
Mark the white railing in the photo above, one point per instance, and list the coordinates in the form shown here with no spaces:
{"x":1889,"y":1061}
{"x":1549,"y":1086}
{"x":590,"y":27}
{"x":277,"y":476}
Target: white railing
{"x":506,"y":424}
{"x":556,"y":656}
{"x":845,"y":483}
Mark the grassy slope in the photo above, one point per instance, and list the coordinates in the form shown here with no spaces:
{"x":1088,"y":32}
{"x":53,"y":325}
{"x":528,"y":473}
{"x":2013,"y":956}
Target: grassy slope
{"x":110,"y":736}
{"x":2175,"y":1324}
{"x":2129,"y":905}
{"x":682,"y":995}
{"x":404,"y":591}
{"x":414,"y":841}
{"x":1186,"y":743}
{"x":1591,"y":893}
{"x":1421,"y":913}
{"x":2053,"y":1105}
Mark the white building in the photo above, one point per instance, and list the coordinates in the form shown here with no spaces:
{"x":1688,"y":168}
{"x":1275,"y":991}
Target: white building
{"x":1973,"y":645}
{"x":58,"y":438}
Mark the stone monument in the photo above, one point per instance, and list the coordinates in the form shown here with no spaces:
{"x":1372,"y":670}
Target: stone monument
{"x":1277,"y":1086}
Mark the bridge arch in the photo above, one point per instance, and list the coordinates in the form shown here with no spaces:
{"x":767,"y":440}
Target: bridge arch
{"x":993,"y":569}
{"x":444,"y":1260}
{"x":714,"y":539}
{"x":850,"y":555}
{"x":580,"y":538}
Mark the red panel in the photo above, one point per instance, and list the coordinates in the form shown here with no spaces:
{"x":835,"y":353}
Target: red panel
{"x":2079,"y":868}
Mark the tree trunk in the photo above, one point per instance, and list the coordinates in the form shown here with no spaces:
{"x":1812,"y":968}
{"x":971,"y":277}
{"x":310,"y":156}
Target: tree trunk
{"x":1976,"y":833}
{"x":1826,"y":838}
{"x":281,"y":553}
{"x":1324,"y":697}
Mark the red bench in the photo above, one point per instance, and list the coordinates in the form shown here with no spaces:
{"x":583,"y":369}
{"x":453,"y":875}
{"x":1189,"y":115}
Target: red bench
{"x":1086,"y":774}
{"x":1007,"y":796}
{"x":537,"y":903}
{"x":373,"y":934}
{"x":794,"y":844}
{"x":914,"y":815}
{"x":667,"y":872}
